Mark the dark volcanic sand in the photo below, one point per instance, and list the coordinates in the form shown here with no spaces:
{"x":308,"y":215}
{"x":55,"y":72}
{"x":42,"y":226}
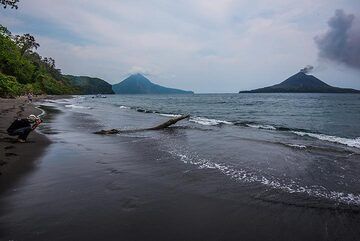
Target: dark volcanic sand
{"x":17,"y":158}
{"x":90,"y":187}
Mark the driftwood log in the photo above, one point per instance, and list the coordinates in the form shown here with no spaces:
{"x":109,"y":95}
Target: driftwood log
{"x":158,"y":127}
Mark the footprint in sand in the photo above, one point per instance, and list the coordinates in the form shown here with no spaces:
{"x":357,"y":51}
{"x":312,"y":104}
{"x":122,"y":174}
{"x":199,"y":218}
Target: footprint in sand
{"x":2,"y":163}
{"x":114,"y":171}
{"x":130,"y":204}
{"x":101,"y":162}
{"x":115,"y":186}
{"x":10,"y":154}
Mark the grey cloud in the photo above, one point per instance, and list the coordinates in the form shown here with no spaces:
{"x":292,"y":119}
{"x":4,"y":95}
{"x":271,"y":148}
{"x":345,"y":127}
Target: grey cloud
{"x":341,"y":43}
{"x":199,"y":42}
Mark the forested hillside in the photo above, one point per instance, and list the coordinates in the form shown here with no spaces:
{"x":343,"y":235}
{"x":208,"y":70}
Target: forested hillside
{"x":23,"y":70}
{"x":90,"y":85}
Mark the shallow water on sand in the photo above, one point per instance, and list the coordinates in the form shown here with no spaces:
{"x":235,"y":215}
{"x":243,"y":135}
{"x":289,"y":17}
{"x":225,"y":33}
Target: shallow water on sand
{"x":256,"y":144}
{"x":199,"y":180}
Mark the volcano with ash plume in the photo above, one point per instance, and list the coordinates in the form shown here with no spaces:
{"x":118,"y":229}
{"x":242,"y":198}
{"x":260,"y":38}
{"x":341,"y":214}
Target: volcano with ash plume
{"x":302,"y":83}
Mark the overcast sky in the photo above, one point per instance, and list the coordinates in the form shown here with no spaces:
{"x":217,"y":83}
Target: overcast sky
{"x":200,"y":45}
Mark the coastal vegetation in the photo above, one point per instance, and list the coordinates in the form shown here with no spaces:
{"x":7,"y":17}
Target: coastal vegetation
{"x":23,"y":70}
{"x":10,"y":3}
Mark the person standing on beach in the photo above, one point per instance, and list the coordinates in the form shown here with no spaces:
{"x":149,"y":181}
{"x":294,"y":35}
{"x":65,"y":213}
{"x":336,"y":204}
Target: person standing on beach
{"x":30,"y":97}
{"x":23,"y":127}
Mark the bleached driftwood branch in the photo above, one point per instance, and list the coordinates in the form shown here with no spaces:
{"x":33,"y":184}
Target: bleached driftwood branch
{"x":158,"y":127}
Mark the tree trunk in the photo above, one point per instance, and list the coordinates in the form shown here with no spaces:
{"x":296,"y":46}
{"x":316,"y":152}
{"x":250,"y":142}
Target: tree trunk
{"x":159,"y":127}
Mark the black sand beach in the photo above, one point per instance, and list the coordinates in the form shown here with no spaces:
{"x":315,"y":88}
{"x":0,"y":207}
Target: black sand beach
{"x":180,"y":120}
{"x":17,"y":158}
{"x":128,"y":187}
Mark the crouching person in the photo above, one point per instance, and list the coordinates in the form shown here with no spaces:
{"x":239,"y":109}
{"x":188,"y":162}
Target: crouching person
{"x":23,"y":127}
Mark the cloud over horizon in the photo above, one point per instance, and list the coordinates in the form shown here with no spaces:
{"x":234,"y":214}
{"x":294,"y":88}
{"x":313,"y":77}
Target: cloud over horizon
{"x":204,"y":45}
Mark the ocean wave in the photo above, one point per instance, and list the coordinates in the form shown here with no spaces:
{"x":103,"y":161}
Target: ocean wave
{"x":250,"y":177}
{"x":42,"y":111}
{"x":265,"y":127}
{"x":214,"y":122}
{"x":200,"y":120}
{"x":144,"y":110}
{"x":170,"y":115}
{"x":208,"y":122}
{"x":59,"y":101}
{"x":77,"y":107}
{"x":335,"y":139}
{"x":297,"y":146}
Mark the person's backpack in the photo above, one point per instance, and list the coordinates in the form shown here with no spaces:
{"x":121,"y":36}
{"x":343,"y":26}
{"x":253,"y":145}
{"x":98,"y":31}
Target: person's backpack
{"x":12,"y":127}
{"x":18,"y":123}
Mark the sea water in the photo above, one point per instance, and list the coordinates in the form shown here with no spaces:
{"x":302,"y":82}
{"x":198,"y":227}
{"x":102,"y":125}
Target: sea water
{"x":302,"y":144}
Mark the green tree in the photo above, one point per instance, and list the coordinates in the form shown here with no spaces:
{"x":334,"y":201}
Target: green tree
{"x":51,"y":68}
{"x":4,"y":31}
{"x":23,"y":70}
{"x":26,"y":43}
{"x":11,"y":61}
{"x":50,"y":62}
{"x":11,"y":3}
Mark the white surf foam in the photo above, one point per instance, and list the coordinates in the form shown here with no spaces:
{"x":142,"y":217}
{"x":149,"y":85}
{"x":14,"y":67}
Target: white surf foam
{"x":297,"y":146}
{"x":265,"y":127}
{"x":345,"y":141}
{"x":59,"y":101}
{"x":290,"y":187}
{"x":124,"y":107}
{"x":42,"y":111}
{"x":208,"y":122}
{"x":200,"y":120}
{"x":170,"y":115}
{"x":77,"y":107}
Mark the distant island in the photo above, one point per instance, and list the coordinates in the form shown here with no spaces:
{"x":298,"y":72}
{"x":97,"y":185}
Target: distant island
{"x":139,"y":84}
{"x":89,"y":85}
{"x":302,"y":83}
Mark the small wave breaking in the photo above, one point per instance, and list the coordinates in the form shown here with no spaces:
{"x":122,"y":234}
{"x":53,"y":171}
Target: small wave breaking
{"x":200,"y":120}
{"x":77,"y":107}
{"x":297,"y":146}
{"x":265,"y":127}
{"x":208,"y":122}
{"x":170,"y":115}
{"x":335,"y":139}
{"x":250,"y":177}
{"x":42,"y":111}
{"x":215,"y":122}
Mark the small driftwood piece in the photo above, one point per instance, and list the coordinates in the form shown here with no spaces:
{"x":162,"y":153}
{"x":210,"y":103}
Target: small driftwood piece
{"x":159,"y":127}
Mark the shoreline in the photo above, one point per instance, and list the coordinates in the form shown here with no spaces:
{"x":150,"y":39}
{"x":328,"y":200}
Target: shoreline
{"x":18,"y":158}
{"x":156,"y":184}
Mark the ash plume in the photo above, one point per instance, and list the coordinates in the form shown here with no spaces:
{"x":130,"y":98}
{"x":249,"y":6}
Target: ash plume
{"x":341,"y":43}
{"x":307,"y":69}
